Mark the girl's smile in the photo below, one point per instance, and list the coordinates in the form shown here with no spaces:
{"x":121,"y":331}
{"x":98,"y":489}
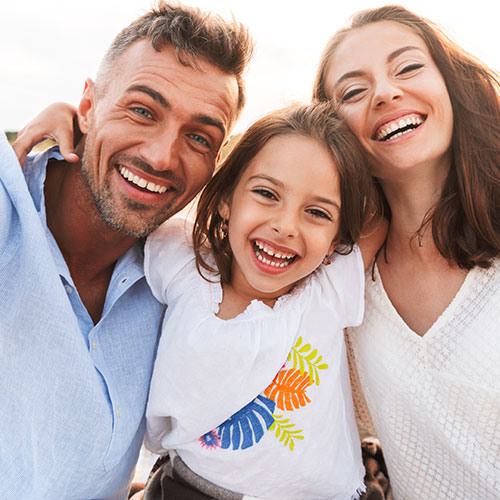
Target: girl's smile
{"x":283,"y":216}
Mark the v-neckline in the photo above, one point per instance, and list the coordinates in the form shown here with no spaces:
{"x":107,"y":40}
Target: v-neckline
{"x":441,"y":319}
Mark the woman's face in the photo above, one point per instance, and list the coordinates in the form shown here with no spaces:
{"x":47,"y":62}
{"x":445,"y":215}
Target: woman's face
{"x":393,"y":98}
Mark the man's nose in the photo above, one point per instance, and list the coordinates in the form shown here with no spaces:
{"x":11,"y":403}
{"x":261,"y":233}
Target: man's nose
{"x":162,"y":151}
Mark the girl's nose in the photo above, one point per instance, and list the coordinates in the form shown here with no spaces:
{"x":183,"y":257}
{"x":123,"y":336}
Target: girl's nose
{"x":285,"y":226}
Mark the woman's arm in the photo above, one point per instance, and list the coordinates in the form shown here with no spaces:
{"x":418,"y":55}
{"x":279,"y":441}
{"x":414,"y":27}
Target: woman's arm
{"x":57,"y":122}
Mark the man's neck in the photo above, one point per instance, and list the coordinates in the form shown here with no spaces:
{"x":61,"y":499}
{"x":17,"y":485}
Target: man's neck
{"x":89,"y":245}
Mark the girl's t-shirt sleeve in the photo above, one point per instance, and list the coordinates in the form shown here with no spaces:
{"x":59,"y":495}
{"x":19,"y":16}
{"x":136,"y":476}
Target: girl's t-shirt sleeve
{"x":343,"y":286}
{"x":167,"y":251}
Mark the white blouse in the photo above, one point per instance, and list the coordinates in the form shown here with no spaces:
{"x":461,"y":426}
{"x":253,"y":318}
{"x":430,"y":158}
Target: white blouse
{"x":259,"y":404}
{"x":435,"y":400}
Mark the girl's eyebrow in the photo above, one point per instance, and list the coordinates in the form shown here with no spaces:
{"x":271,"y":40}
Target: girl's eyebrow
{"x":390,"y":58}
{"x":278,"y":183}
{"x":265,"y":177}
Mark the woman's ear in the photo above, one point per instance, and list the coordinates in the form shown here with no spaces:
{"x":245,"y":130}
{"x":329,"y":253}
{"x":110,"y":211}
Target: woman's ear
{"x":224,"y":210}
{"x":86,"y":106}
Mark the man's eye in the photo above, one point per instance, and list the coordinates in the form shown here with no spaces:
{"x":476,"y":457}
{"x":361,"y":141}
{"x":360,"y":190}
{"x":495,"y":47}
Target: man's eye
{"x":265,"y":193}
{"x":410,"y":67}
{"x":316,"y":212}
{"x":199,"y":139}
{"x":352,"y":93}
{"x":143,"y":112}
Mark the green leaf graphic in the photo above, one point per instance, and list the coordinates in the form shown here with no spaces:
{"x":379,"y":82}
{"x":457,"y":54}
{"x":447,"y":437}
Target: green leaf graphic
{"x":283,"y":430}
{"x":302,"y":360}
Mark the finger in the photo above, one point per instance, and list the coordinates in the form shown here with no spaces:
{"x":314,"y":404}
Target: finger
{"x":66,"y":147}
{"x":22,"y":146}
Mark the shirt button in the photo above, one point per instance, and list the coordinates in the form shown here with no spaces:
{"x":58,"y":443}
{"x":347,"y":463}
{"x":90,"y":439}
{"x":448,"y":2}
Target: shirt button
{"x":117,"y":413}
{"x":94,"y":345}
{"x":68,"y":288}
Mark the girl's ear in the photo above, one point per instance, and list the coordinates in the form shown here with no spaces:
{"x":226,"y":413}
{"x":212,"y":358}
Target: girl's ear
{"x":333,"y":246}
{"x":86,"y":106}
{"x":224,"y":210}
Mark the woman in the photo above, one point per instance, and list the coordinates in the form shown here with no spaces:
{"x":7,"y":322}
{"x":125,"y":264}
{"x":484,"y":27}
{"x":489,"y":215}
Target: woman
{"x":428,"y":353}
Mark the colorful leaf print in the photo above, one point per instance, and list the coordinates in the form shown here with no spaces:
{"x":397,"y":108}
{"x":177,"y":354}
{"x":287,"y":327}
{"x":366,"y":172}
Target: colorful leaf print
{"x":210,"y":440}
{"x":288,"y":389}
{"x":283,"y":430}
{"x":245,"y":428}
{"x":300,"y":359}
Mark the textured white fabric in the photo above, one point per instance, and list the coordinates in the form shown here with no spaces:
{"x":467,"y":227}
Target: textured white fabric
{"x":435,"y":400}
{"x":227,"y":399}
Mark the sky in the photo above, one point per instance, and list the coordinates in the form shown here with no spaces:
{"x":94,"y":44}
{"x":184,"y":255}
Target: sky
{"x":49,"y":47}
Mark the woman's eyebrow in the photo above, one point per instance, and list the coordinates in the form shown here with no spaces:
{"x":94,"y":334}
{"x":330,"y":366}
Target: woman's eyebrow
{"x":390,"y":58}
{"x":399,"y":51}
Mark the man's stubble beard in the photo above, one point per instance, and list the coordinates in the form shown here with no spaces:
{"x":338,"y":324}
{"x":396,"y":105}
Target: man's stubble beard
{"x":119,"y":220}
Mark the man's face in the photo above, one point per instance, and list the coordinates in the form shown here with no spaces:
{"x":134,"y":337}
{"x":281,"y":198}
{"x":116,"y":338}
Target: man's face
{"x":153,"y":135}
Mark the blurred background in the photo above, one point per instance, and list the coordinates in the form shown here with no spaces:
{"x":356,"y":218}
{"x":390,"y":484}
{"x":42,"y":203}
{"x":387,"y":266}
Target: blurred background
{"x":49,"y":47}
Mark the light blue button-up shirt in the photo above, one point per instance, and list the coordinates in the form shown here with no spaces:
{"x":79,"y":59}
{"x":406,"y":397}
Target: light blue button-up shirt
{"x":72,"y":395}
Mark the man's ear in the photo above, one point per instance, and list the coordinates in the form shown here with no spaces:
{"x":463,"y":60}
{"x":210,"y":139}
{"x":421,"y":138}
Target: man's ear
{"x":224,"y":210}
{"x":86,"y":106}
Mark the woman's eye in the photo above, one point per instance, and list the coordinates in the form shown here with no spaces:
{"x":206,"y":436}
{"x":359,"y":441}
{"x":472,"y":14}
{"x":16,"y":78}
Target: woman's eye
{"x":316,"y":212}
{"x":265,"y":193}
{"x":199,"y":139}
{"x":352,"y":93}
{"x":410,"y":67}
{"x":143,"y":112}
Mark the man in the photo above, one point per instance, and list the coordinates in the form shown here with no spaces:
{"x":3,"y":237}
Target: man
{"x":78,"y":323}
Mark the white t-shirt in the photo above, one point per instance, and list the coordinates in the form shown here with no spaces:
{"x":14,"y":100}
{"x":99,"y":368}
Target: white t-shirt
{"x":259,"y":404}
{"x":435,"y":400}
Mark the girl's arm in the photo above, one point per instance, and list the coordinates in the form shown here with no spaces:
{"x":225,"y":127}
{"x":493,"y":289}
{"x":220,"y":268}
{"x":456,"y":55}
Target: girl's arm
{"x":57,"y":122}
{"x":372,"y":239}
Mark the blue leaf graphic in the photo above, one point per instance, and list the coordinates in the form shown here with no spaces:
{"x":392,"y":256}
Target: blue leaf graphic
{"x":245,"y":428}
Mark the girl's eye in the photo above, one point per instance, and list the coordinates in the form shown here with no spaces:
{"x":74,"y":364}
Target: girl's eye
{"x":143,"y":112}
{"x":316,"y":212}
{"x":352,"y":93}
{"x":410,"y":67}
{"x":265,"y":193}
{"x":199,"y":139}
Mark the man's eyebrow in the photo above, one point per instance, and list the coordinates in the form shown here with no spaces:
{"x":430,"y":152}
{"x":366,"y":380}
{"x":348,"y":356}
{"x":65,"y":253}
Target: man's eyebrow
{"x":155,"y":95}
{"x":208,"y":120}
{"x":390,"y":57}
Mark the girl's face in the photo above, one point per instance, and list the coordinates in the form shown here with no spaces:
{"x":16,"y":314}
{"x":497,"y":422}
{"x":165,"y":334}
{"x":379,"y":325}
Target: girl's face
{"x":283,"y":216}
{"x":393,"y":98}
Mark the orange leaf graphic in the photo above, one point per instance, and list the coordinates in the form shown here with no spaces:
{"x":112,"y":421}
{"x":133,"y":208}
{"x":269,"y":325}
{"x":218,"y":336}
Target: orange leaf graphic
{"x":288,"y":390}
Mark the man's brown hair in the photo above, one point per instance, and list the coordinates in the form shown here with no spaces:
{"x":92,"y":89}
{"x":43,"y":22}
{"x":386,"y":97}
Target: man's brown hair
{"x":193,"y":34}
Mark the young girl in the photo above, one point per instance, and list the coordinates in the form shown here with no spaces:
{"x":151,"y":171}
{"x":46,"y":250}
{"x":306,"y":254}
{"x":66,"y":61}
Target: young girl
{"x":250,"y":395}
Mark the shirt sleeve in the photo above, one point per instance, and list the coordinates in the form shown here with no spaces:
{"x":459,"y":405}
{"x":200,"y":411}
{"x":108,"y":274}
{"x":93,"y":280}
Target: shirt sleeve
{"x":11,"y":182}
{"x":342,"y":285}
{"x":168,"y":249}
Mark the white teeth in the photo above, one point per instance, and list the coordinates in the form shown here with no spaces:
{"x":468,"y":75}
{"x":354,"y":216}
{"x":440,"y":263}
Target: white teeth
{"x":392,"y":127}
{"x":143,"y":183}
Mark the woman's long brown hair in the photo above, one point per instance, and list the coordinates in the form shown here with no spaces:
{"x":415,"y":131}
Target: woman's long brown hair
{"x":466,"y":219}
